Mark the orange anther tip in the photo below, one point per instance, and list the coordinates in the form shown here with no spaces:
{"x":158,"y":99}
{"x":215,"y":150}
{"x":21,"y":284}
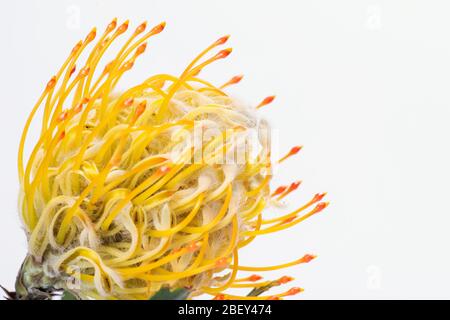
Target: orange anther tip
{"x":63,"y":116}
{"x":128,"y":65}
{"x":123,"y":27}
{"x":266,"y":101}
{"x":197,"y":72}
{"x":128,"y":102}
{"x":222,"y":40}
{"x":159,"y":28}
{"x":320,"y":206}
{"x":112,"y":25}
{"x":279,"y":190}
{"x":104,"y":42}
{"x":78,"y":108}
{"x":224,"y":53}
{"x":85,"y":71}
{"x":77,"y":47}
{"x":219,"y":297}
{"x":91,"y":36}
{"x":62,"y":135}
{"x":108,"y":67}
{"x":51,"y":83}
{"x":141,"y":28}
{"x":254,"y":277}
{"x":141,"y":108}
{"x":318,"y":197}
{"x":72,"y":71}
{"x":295,"y":150}
{"x":295,"y":185}
{"x":294,"y":290}
{"x":285,"y":279}
{"x":307,"y":258}
{"x":222,"y":262}
{"x":289,"y":219}
{"x":236,"y":79}
{"x":273,"y":298}
{"x":269,"y":99}
{"x":141,"y":48}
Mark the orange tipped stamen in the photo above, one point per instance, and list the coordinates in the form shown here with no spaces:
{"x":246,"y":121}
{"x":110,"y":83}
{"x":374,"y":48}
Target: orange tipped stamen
{"x":102,"y":45}
{"x":273,"y":298}
{"x":159,"y":28}
{"x":196,"y":72}
{"x":91,"y":36}
{"x":285,"y":279}
{"x":294,"y":186}
{"x":63,"y":116}
{"x":76,"y":47}
{"x":234,"y":80}
{"x":221,"y":40}
{"x":111,"y":26}
{"x":265,"y":102}
{"x":72,"y":71}
{"x":290,"y":219}
{"x":223,"y":54}
{"x":293,"y":291}
{"x":318,"y":197}
{"x":51,"y":84}
{"x":127,"y":65}
{"x":123,"y":28}
{"x":279,"y":190}
{"x":84,"y":72}
{"x":141,"y":28}
{"x":78,"y":108}
{"x":292,"y":152}
{"x":271,"y":268}
{"x":141,"y":108}
{"x":61,"y":136}
{"x":219,"y":297}
{"x":108,"y":67}
{"x":141,"y":49}
{"x":307,"y":258}
{"x":287,"y":218}
{"x":254,"y":277}
{"x":320,"y":206}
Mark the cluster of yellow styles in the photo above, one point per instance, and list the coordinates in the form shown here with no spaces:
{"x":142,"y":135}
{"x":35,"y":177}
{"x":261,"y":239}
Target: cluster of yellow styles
{"x":108,"y":204}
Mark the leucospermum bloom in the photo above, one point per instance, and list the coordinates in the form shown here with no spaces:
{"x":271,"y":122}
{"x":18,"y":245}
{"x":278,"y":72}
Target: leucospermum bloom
{"x":129,"y":194}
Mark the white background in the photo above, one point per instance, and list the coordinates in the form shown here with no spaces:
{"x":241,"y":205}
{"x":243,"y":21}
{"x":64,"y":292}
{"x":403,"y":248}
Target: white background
{"x":363,"y":85}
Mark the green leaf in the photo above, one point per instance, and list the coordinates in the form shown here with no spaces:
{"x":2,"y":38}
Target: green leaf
{"x":166,"y":294}
{"x":68,"y":295}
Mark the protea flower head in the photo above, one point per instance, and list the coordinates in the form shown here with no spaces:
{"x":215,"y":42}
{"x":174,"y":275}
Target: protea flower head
{"x":129,"y":194}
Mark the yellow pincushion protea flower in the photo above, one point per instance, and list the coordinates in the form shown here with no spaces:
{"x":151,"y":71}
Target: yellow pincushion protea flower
{"x":154,"y":188}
